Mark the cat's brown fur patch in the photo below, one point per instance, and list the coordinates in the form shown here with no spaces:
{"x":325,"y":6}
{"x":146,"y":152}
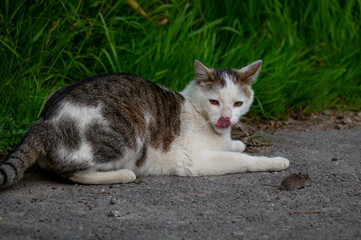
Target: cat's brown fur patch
{"x":166,"y":123}
{"x":247,"y":92}
{"x":136,"y":118}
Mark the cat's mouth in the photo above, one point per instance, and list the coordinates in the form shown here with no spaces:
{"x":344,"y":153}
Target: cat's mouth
{"x":224,"y":122}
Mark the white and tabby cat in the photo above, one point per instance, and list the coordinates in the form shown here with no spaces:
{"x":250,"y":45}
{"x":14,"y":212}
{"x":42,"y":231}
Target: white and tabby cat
{"x":109,"y":128}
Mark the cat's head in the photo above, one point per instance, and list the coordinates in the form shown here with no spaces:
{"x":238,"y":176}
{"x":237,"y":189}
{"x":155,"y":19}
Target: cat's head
{"x":223,"y":96}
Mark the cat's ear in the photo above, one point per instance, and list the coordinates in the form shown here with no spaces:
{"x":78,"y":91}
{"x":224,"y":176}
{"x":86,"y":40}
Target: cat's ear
{"x":202,"y":73}
{"x":250,"y":73}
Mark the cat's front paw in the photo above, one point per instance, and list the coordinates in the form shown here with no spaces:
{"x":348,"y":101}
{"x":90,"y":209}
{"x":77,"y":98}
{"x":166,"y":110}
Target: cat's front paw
{"x":238,"y":146}
{"x":279,"y":163}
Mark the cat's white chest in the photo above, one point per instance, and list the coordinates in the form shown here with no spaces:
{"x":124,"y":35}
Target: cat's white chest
{"x":197,"y":135}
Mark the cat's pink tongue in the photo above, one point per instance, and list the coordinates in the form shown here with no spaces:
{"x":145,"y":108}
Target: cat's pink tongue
{"x":224,"y":122}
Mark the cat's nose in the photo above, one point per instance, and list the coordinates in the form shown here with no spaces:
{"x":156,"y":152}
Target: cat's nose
{"x":227,"y":113}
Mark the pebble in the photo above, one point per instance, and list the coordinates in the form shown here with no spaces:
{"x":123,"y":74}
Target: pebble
{"x":347,"y":120}
{"x":113,"y":200}
{"x":114,"y":213}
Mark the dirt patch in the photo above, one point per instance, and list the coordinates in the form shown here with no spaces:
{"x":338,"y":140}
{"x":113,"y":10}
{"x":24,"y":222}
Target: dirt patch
{"x":326,"y":120}
{"x":329,"y":119}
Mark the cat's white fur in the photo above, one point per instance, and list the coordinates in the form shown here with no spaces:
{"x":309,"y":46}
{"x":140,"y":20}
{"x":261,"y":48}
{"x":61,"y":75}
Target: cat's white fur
{"x":200,"y":149}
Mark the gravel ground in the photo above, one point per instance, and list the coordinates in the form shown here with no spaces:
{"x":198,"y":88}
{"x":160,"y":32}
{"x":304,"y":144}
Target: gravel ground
{"x":237,"y":206}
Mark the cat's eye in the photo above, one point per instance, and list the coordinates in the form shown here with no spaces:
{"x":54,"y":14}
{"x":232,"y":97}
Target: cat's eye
{"x":213,"y":102}
{"x":238,"y":104}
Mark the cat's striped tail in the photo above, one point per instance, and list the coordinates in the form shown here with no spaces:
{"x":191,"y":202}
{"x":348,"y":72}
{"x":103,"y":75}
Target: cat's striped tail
{"x":23,"y":155}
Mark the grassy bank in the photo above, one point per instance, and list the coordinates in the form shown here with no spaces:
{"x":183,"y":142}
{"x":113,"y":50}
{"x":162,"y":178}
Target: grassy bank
{"x":311,"y":50}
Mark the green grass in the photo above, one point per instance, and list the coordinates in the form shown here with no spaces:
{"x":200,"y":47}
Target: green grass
{"x":311,"y":50}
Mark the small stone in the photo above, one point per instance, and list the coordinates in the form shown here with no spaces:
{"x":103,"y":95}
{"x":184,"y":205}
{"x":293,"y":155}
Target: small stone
{"x":113,"y":200}
{"x":347,"y":120}
{"x":114,"y":213}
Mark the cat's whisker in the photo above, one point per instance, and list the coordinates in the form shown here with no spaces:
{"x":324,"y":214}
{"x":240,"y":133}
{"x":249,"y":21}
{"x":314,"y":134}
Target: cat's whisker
{"x":244,"y":130}
{"x":206,"y":125}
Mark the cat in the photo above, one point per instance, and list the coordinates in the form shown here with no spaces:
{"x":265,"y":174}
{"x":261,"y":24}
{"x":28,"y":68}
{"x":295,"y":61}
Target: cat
{"x":111,"y":128}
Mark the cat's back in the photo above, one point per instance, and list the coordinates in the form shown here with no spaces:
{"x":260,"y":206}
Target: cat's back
{"x":105,"y":89}
{"x":124,"y":103}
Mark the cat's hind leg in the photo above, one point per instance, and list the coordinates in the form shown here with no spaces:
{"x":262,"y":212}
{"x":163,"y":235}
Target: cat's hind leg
{"x":108,"y":177}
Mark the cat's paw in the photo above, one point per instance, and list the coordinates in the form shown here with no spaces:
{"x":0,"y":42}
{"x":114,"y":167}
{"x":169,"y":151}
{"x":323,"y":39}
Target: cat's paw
{"x":126,"y":176}
{"x":238,"y":146}
{"x":279,"y":163}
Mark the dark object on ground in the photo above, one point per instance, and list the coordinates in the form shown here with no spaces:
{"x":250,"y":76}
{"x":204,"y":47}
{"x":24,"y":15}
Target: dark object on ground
{"x":294,"y":181}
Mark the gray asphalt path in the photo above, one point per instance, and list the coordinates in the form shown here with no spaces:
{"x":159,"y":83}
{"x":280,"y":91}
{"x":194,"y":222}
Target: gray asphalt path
{"x":237,"y":206}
